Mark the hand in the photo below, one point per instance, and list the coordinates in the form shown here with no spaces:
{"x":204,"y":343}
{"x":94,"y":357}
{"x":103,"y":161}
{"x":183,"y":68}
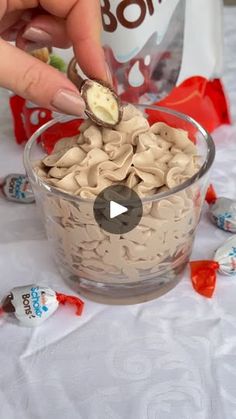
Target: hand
{"x":34,"y":24}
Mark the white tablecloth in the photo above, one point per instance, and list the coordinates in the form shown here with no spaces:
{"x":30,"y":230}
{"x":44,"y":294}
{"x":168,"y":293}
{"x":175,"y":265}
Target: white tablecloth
{"x":173,"y":358}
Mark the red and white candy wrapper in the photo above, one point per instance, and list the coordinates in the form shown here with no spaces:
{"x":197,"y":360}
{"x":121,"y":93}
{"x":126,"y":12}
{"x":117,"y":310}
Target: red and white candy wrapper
{"x":222,"y":211}
{"x":204,"y":272}
{"x":27,"y":118}
{"x":33,"y":304}
{"x":16,"y":188}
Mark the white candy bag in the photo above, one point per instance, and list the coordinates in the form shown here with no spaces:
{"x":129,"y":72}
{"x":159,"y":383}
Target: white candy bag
{"x":168,"y":51}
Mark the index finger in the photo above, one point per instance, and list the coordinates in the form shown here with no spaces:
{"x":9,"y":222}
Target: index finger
{"x":84,"y":28}
{"x":83,"y":21}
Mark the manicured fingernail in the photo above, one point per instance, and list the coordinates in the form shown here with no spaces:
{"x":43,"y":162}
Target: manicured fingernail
{"x":37,"y":35}
{"x":109,"y":76}
{"x":69,"y":102}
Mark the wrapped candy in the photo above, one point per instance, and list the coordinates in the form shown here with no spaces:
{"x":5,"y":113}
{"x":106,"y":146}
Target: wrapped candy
{"x":203,"y":273}
{"x":16,"y":188}
{"x":33,"y":304}
{"x":222,"y":211}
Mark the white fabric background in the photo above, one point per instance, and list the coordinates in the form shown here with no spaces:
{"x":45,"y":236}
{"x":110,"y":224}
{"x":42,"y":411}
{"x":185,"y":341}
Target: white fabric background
{"x":173,"y":358}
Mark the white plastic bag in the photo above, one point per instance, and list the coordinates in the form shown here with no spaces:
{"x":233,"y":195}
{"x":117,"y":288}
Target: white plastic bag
{"x":152,"y":46}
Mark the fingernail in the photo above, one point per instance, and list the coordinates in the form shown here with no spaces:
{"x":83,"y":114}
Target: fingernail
{"x":69,"y":102}
{"x":109,"y":76}
{"x":37,"y":35}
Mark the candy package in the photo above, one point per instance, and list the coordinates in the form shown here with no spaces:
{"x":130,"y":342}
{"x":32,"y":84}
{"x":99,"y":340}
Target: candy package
{"x":168,"y":52}
{"x":204,"y":272}
{"x":33,"y":304}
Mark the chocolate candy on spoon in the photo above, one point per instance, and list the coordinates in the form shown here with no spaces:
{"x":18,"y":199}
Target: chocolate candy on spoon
{"x":222,"y":211}
{"x":33,"y":304}
{"x":103,"y":106}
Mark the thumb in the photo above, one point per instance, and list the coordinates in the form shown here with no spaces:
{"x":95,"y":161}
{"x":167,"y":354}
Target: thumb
{"x":38,"y":82}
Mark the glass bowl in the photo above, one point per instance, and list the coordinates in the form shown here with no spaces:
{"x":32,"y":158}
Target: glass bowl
{"x":137,"y":266}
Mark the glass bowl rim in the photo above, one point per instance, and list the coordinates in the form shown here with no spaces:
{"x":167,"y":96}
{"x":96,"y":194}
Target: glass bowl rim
{"x":209,"y":159}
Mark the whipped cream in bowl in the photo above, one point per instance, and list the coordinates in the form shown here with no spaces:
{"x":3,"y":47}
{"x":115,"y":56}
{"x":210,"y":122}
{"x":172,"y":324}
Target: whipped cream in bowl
{"x":161,"y":155}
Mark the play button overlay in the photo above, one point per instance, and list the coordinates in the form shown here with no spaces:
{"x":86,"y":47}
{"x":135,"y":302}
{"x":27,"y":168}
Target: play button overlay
{"x":118,"y":209}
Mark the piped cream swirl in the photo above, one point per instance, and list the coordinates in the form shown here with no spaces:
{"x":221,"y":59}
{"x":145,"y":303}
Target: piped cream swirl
{"x":133,"y":153}
{"x":149,"y":160}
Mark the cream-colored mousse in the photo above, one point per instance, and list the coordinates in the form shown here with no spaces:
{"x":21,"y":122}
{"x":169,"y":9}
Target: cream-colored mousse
{"x":149,"y":160}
